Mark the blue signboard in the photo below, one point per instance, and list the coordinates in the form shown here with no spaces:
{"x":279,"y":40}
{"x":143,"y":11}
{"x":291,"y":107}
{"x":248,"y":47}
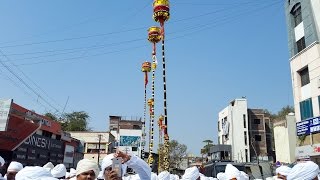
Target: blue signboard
{"x":133,"y":141}
{"x":308,"y":126}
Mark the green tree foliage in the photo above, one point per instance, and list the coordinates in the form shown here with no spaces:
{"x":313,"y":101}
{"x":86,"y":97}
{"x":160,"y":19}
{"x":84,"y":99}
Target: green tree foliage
{"x":206,"y":148}
{"x":177,"y":153}
{"x":75,"y":121}
{"x":51,"y":116}
{"x":285,"y":111}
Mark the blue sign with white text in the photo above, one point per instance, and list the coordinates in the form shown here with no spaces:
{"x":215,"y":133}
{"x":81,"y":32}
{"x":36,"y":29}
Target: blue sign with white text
{"x":308,"y":126}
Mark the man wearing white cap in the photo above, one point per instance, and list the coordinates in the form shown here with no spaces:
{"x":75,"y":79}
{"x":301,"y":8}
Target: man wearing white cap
{"x":48,"y":166}
{"x":34,"y":173}
{"x":72,"y":173}
{"x":137,"y":164}
{"x":59,"y":171}
{"x":87,"y":170}
{"x":191,"y":173}
{"x":304,"y":171}
{"x":282,"y":172}
{"x":164,"y":175}
{"x":13,"y":169}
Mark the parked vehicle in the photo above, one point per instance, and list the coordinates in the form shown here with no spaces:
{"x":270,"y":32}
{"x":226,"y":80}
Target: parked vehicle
{"x":254,"y":170}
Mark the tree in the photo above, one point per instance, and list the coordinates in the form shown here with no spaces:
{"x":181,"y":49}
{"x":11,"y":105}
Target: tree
{"x":177,"y":152}
{"x":75,"y":121}
{"x":206,"y":148}
{"x":51,"y":116}
{"x":285,"y":111}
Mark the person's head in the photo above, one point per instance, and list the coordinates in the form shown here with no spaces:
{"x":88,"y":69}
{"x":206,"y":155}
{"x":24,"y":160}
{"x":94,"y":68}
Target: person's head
{"x":13,"y":169}
{"x":282,"y":172}
{"x":304,"y":170}
{"x":191,"y":173}
{"x":106,"y":167}
{"x":87,"y":170}
{"x":59,"y":171}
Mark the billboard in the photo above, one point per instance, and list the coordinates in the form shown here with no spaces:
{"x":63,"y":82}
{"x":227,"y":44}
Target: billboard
{"x":308,"y":126}
{"x":5,"y":106}
{"x":133,"y":141}
{"x":68,"y":154}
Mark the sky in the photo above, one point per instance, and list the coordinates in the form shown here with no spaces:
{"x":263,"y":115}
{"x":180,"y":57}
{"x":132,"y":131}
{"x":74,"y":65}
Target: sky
{"x":87,"y":56}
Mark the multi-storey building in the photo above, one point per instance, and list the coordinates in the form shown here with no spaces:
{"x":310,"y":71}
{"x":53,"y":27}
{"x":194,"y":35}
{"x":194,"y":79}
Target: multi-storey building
{"x":96,"y":144}
{"x":303,"y":24}
{"x":128,"y":133}
{"x":233,"y":130}
{"x":247,"y":131}
{"x":260,"y":135}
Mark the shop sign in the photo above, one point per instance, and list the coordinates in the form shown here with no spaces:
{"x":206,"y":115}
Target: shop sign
{"x":308,"y":126}
{"x":43,"y":142}
{"x":68,"y":154}
{"x":33,"y":116}
{"x":5,"y":106}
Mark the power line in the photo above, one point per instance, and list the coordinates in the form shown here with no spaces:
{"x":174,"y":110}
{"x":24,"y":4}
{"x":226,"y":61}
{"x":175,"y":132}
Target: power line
{"x":118,"y":32}
{"x":25,"y":83}
{"x":200,"y":27}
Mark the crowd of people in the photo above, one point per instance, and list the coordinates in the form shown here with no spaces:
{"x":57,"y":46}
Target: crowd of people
{"x":89,"y":170}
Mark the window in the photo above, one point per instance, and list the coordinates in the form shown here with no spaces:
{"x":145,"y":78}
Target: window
{"x":134,"y":148}
{"x":244,"y":121}
{"x":304,"y":76}
{"x":257,"y":137}
{"x":246,"y":153}
{"x":218,"y":126}
{"x":306,"y":109}
{"x":245,"y":138}
{"x":301,"y":44}
{"x":256,"y":121}
{"x":296,"y":14}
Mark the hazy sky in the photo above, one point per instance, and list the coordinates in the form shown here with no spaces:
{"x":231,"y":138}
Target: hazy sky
{"x":91,"y":52}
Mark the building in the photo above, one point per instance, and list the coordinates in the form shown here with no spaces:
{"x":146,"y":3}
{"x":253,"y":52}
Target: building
{"x":96,"y":144}
{"x":128,"y":133}
{"x":33,"y":139}
{"x":285,"y":139}
{"x":247,"y":131}
{"x":260,"y":135}
{"x":303,"y":25}
{"x":233,"y":130}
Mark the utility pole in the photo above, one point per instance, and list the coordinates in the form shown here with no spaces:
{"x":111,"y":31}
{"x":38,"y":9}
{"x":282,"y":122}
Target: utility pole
{"x":99,"y":135}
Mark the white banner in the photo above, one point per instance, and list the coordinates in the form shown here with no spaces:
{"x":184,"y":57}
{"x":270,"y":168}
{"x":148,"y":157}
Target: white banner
{"x":5,"y":106}
{"x":68,"y":154}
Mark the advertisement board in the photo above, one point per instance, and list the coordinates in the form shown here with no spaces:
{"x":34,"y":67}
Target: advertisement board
{"x":308,"y":126}
{"x":36,"y":150}
{"x":133,"y":141}
{"x":68,"y":154}
{"x":5,"y":106}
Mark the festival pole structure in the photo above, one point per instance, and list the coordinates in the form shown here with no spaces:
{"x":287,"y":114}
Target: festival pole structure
{"x":160,"y":148}
{"x":154,"y":36}
{"x":151,"y":132}
{"x":146,"y":68}
{"x":161,"y":14}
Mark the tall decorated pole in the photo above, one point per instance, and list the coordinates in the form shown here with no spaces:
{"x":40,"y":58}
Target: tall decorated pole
{"x":160,"y":148}
{"x":146,"y":68}
{"x":151,"y":132}
{"x":154,"y":36}
{"x":161,"y":14}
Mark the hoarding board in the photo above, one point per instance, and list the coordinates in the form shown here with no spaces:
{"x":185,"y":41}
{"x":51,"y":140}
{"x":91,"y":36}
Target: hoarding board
{"x":5,"y":106}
